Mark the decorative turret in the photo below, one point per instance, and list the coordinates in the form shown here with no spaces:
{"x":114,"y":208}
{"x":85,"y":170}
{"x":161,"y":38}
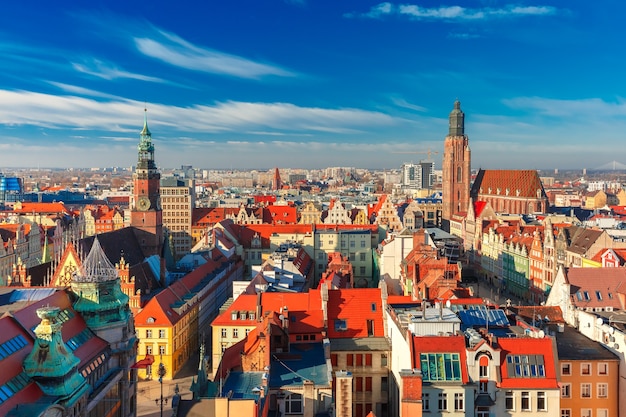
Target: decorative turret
{"x":100,"y":298}
{"x":50,"y":364}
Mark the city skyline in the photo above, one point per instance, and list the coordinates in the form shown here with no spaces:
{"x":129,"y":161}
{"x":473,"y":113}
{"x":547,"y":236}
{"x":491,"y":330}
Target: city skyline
{"x":309,"y":84}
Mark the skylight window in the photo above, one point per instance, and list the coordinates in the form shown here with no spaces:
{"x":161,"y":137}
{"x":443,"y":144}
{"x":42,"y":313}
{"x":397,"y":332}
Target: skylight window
{"x":11,"y":346}
{"x":599,"y":295}
{"x":341,"y":325}
{"x":525,"y":366}
{"x":440,"y":366}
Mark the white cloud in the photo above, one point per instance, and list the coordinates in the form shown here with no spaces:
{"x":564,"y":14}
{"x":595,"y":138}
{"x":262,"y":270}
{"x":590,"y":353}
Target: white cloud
{"x":570,"y":109}
{"x":72,"y":112}
{"x":109,"y":71}
{"x":452,"y":13}
{"x":400,"y":102}
{"x":176,"y":51}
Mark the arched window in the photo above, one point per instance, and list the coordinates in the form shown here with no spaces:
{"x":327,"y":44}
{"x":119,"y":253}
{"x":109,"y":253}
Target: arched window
{"x":483,"y":363}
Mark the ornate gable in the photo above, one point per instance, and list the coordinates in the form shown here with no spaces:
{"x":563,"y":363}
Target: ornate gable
{"x":70,"y":263}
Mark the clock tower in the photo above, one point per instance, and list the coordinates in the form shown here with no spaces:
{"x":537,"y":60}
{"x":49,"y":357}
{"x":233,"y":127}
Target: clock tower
{"x":146,"y":215}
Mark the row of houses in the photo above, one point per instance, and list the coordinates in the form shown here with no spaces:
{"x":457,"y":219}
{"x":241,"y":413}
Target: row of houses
{"x":355,"y":351}
{"x":522,"y":255}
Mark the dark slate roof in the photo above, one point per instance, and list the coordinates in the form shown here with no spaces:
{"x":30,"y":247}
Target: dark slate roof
{"x":360,"y":344}
{"x":573,"y":345}
{"x":118,"y":243}
{"x":240,"y":385}
{"x":303,"y":362}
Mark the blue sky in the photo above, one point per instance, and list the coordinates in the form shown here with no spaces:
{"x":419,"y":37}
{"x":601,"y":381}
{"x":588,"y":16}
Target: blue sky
{"x":305,"y":83}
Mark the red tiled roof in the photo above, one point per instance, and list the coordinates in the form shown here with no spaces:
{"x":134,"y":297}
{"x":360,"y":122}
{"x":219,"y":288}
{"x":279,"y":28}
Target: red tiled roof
{"x":528,"y":346}
{"x":596,"y":287}
{"x":440,"y":344}
{"x":553,"y":313}
{"x":283,"y":214}
{"x":305,"y":307}
{"x":29,"y":208}
{"x":356,"y":306}
{"x":526,"y":181}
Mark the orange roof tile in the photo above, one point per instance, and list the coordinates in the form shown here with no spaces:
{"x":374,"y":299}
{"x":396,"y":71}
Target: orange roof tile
{"x":497,"y":182}
{"x":528,"y":346}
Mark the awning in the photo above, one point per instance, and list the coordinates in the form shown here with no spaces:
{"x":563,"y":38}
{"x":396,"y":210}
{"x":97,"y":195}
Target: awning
{"x":144,"y":363}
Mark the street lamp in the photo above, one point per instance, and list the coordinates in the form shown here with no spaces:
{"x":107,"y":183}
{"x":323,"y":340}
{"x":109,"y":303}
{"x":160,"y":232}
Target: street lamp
{"x":161,"y":372}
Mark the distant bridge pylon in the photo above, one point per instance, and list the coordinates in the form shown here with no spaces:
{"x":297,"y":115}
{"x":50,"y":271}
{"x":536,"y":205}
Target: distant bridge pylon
{"x":611,"y":166}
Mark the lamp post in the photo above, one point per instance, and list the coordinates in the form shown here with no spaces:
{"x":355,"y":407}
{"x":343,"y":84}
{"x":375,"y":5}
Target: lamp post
{"x":161,"y":372}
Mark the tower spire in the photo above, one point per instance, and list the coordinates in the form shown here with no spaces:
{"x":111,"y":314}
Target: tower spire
{"x":145,"y":132}
{"x":457,"y":120}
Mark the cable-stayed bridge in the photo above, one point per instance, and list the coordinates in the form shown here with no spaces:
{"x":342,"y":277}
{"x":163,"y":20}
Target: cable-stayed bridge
{"x":611,"y":166}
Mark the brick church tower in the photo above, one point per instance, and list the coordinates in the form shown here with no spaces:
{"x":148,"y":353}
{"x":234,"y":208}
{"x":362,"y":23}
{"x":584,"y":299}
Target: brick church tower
{"x":277,"y":183}
{"x":146,"y":215}
{"x":456,"y":167}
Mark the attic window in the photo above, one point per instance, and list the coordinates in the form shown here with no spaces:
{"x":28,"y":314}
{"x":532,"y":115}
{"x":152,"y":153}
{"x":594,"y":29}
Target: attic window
{"x":373,"y":306}
{"x":341,"y":325}
{"x":587,"y":298}
{"x":150,"y":320}
{"x":599,"y":295}
{"x":233,"y":315}
{"x":251,"y":315}
{"x":610,"y":295}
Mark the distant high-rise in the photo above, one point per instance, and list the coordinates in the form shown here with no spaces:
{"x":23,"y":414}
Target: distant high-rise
{"x":419,"y":176}
{"x":146,"y":215}
{"x":456,"y":166}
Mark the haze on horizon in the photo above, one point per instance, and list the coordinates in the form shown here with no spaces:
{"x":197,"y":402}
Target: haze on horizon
{"x":305,"y":84}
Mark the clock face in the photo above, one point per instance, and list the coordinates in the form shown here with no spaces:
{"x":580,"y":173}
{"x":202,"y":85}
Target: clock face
{"x":143,"y":204}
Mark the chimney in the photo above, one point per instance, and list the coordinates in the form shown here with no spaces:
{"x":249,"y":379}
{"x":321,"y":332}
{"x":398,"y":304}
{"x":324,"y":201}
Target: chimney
{"x":309,"y":399}
{"x":324,"y":297}
{"x":259,"y":307}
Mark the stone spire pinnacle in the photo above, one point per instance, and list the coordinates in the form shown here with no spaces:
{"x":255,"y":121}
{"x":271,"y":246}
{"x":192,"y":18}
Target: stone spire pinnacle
{"x":96,"y":267}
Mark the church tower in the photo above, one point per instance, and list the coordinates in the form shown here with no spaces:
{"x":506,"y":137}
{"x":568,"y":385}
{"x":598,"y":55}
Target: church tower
{"x":146,"y":214}
{"x":456,"y":166}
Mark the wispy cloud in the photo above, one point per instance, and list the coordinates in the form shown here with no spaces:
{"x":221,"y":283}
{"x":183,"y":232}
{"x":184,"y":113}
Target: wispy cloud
{"x":400,"y":102}
{"x":121,"y":115}
{"x":174,"y":50}
{"x":82,"y":91}
{"x":109,"y":71}
{"x":452,"y":13}
{"x":570,"y":109}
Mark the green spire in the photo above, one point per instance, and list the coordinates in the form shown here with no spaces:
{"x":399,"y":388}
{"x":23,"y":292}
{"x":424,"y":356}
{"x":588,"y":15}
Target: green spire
{"x":145,"y":131}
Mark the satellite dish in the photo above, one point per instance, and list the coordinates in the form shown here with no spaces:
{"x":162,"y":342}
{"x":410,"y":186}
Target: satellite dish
{"x":599,"y":321}
{"x":541,"y":334}
{"x":448,"y":304}
{"x":281,"y":317}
